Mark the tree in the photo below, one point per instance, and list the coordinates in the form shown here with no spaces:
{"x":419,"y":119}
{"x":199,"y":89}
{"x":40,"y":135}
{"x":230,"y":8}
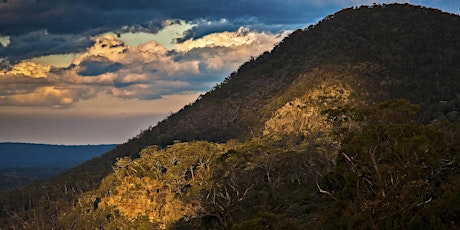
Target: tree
{"x":387,"y":170}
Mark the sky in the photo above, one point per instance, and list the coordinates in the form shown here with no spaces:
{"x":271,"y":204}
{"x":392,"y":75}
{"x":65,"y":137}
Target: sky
{"x":101,"y":71}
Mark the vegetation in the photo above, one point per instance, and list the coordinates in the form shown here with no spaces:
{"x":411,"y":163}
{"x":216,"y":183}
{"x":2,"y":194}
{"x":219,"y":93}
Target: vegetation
{"x":16,"y":177}
{"x":389,"y":171}
{"x":350,"y":123}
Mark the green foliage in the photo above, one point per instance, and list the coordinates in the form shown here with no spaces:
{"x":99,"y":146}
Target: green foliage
{"x":443,"y":213}
{"x":16,"y":177}
{"x":215,"y":186}
{"x":263,"y":221}
{"x":388,"y":170}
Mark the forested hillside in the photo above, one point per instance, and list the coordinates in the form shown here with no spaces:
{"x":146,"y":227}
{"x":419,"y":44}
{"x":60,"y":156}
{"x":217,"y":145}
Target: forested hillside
{"x":349,"y":123}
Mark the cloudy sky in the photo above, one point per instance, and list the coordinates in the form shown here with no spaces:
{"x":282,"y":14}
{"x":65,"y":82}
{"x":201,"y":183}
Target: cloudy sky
{"x":100,"y":71}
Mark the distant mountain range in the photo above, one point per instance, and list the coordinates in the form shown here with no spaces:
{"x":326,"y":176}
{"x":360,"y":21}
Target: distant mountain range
{"x":26,"y":163}
{"x":17,"y":155}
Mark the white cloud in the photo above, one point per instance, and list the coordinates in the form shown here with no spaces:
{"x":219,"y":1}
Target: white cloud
{"x":146,"y":71}
{"x":227,"y":50}
{"x":225,"y":39}
{"x":5,"y":41}
{"x":28,"y":69}
{"x":45,"y":96}
{"x":106,"y":45}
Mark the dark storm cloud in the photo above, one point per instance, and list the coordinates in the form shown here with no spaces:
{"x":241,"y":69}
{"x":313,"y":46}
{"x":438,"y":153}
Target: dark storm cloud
{"x":204,"y":27}
{"x":68,"y":17}
{"x":97,"y":65}
{"x":77,"y":16}
{"x":41,"y":42}
{"x":41,"y":27}
{"x":63,"y":21}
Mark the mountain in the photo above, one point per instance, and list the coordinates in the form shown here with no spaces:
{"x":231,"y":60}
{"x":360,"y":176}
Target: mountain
{"x":46,"y":155}
{"x":350,"y":123}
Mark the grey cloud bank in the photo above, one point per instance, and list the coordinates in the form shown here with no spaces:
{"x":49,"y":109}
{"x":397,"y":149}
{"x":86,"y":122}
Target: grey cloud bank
{"x":44,"y":27}
{"x":76,"y":16}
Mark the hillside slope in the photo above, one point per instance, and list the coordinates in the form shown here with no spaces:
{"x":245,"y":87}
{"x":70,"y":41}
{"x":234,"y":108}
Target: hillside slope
{"x":308,"y":99}
{"x":396,"y":51}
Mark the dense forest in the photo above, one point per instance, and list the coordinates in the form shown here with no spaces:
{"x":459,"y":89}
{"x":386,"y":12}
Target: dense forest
{"x":352,"y":123}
